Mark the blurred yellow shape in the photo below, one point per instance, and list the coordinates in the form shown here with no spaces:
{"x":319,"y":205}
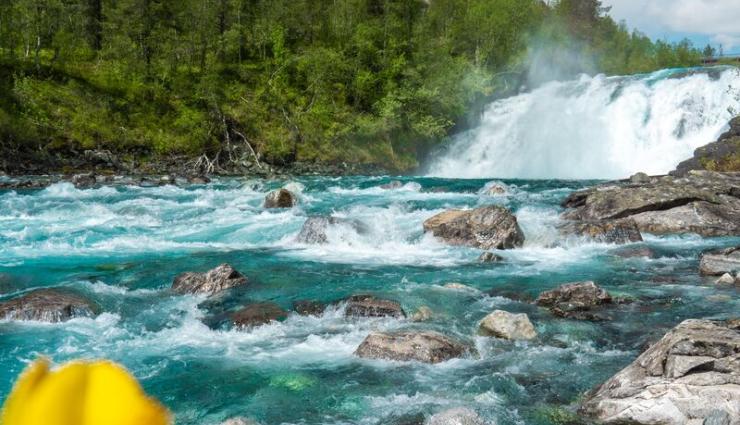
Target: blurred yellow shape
{"x":80,"y":393}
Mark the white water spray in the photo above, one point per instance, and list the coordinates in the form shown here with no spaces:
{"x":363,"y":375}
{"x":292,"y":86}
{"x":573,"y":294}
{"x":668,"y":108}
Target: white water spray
{"x":597,"y":127}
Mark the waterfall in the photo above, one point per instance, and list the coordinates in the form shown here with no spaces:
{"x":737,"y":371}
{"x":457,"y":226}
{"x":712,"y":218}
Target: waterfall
{"x":596,"y":127}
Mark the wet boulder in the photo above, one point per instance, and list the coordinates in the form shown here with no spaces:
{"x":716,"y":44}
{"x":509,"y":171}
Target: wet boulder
{"x":690,"y":376}
{"x":639,"y":178}
{"x":489,"y":257}
{"x":84,"y":181}
{"x":725,"y":279}
{"x":490,"y":227}
{"x":47,"y":305}
{"x":720,"y":261}
{"x":607,"y":231}
{"x":281,"y":198}
{"x":502,"y":324}
{"x":457,"y":416}
{"x":702,"y":202}
{"x":426,"y":347}
{"x":370,"y":306}
{"x":309,"y":308}
{"x":211,"y":282}
{"x":578,"y":300}
{"x":258,"y":314}
{"x":315,"y":229}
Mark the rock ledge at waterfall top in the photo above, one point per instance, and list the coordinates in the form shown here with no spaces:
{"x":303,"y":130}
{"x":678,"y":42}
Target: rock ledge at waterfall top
{"x":722,"y":155}
{"x":690,"y":376}
{"x":703,"y":202}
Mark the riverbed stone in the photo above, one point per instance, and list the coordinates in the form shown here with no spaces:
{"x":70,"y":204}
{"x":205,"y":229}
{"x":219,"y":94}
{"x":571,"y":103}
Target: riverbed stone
{"x":47,"y":305}
{"x":720,"y":261}
{"x":502,"y":324}
{"x":258,"y":314}
{"x":457,"y":416}
{"x":281,"y":198}
{"x":489,"y":227}
{"x":426,"y":347}
{"x":219,"y":279}
{"x":577,"y":300}
{"x":370,"y":306}
{"x":687,"y":377}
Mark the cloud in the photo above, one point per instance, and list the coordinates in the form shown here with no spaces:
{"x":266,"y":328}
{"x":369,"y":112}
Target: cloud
{"x":716,"y":20}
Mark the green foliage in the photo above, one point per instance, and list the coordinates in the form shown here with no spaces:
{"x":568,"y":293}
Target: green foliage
{"x":378,"y":81}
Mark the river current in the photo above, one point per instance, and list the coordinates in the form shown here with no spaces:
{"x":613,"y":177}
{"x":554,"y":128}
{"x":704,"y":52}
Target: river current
{"x":122,"y":246}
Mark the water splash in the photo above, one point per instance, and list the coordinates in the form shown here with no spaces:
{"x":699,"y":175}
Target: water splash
{"x":597,"y":127}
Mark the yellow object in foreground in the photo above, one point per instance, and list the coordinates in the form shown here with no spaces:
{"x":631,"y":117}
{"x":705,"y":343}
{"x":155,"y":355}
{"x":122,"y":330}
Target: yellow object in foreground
{"x":80,"y":393}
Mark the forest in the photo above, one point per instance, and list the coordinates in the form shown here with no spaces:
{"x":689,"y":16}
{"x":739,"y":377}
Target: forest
{"x":278,"y":81}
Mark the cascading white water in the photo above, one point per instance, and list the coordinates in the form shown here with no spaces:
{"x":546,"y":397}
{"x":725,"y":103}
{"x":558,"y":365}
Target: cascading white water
{"x":596,"y":127}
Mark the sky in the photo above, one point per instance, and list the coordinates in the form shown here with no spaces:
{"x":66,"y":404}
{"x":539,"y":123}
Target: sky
{"x":704,"y":22}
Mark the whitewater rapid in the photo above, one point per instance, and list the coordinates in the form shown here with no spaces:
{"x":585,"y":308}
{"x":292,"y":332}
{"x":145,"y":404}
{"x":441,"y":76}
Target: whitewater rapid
{"x":596,"y":127}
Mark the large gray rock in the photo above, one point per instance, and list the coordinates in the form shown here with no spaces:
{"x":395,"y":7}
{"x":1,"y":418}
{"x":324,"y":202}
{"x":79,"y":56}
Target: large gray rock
{"x":370,"y":306}
{"x":502,"y":324}
{"x":608,"y":231}
{"x":216,"y":280}
{"x":690,"y":376}
{"x":490,"y":227}
{"x":315,"y":229}
{"x":457,"y":416}
{"x":720,"y":261}
{"x":258,"y":314}
{"x":281,"y":198}
{"x":47,"y":305}
{"x":578,"y":300}
{"x":703,"y":202}
{"x":427,"y":347}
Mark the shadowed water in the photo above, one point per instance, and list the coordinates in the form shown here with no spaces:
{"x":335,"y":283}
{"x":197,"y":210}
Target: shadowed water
{"x":122,"y":247}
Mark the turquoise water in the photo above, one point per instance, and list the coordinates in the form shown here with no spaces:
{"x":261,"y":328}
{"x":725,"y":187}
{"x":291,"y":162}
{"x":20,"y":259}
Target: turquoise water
{"x":122,"y":247}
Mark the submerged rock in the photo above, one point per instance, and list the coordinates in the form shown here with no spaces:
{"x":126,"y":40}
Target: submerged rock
{"x":422,"y":314}
{"x":720,"y":261}
{"x":489,"y":257}
{"x":315,"y":229}
{"x":457,"y":416}
{"x":47,"y":305}
{"x":690,"y":376}
{"x":490,"y":227}
{"x":493,"y":189}
{"x":703,"y":202}
{"x":309,"y":308}
{"x":607,"y":231}
{"x":240,"y":421}
{"x":726,"y":279}
{"x":216,"y":280}
{"x":258,"y":314}
{"x":370,"y":306}
{"x":456,"y":286}
{"x":502,"y":324}
{"x":281,"y":198}
{"x":393,"y":184}
{"x":575,"y":300}
{"x":427,"y":347}
{"x":635,"y":252}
